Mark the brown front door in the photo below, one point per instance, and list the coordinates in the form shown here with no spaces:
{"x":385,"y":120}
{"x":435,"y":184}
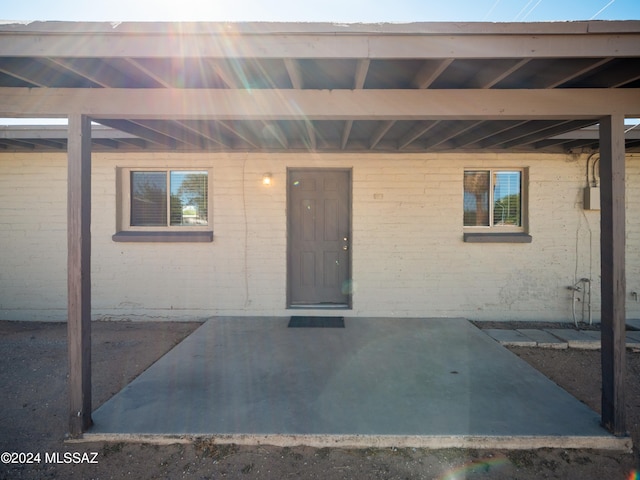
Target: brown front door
{"x":319,"y":238}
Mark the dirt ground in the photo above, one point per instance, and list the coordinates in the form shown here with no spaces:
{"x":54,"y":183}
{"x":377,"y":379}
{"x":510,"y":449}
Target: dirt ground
{"x":33,"y":422}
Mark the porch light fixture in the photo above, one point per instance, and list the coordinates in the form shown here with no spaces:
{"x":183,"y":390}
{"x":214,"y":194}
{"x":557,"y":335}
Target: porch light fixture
{"x":266,"y":179}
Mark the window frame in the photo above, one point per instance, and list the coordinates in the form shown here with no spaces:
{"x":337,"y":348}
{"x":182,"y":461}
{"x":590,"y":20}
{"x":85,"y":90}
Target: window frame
{"x":176,"y":233}
{"x":509,"y":231}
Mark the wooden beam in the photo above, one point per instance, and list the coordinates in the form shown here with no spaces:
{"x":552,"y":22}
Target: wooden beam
{"x":233,"y":81}
{"x":105,"y":142}
{"x":241,"y":133}
{"x":519,"y":131}
{"x":136,"y":142}
{"x":591,"y":133}
{"x":99,"y":73}
{"x":575,"y":73}
{"x":380,"y":132}
{"x":27,"y":144}
{"x":620,"y":73}
{"x":25,"y":70}
{"x":225,"y":75}
{"x":48,"y":143}
{"x":154,"y":76}
{"x":457,"y":128}
{"x":141,"y":132}
{"x":346,"y":131}
{"x":416,"y":132}
{"x":612,"y":255}
{"x":311,"y":134}
{"x":366,"y":104}
{"x":54,"y":132}
{"x":205,"y":130}
{"x":293,"y":69}
{"x":273,"y":130}
{"x":79,"y":273}
{"x":534,"y":136}
{"x":362,"y":68}
{"x":172,"y":130}
{"x":411,"y":41}
{"x":485,"y":130}
{"x":429,"y":72}
{"x":481,"y":81}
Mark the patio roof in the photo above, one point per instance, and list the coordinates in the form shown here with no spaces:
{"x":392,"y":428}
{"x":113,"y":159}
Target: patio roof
{"x":420,"y":87}
{"x":326,"y":87}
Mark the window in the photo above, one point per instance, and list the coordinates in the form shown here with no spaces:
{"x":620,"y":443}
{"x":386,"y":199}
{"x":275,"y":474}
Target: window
{"x":187,"y":201}
{"x":163,"y":205}
{"x":493,"y":202}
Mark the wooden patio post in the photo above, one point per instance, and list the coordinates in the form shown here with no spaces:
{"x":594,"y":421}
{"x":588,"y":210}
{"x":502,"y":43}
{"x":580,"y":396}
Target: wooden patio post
{"x":612,"y":255}
{"x":79,"y":273}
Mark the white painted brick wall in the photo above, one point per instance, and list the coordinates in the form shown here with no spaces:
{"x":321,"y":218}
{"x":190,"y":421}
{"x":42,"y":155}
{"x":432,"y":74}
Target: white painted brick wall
{"x":33,"y":237}
{"x":408,"y":255}
{"x":633,"y":235}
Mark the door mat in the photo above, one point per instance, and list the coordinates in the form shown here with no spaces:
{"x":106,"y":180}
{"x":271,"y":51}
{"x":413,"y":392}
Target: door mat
{"x":316,"y":322}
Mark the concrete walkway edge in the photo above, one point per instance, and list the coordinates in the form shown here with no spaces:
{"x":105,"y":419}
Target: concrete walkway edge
{"x":556,"y":338}
{"x":379,"y":441}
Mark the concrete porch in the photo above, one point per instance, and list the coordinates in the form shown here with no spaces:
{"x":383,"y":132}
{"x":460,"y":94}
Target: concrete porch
{"x":377,"y":382}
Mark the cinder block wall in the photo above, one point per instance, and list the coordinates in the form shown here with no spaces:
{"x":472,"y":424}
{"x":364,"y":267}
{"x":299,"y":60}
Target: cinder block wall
{"x":33,"y":237}
{"x":409,"y":259}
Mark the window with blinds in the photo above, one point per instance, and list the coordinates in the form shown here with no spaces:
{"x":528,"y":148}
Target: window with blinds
{"x":171,"y":198}
{"x":493,"y":199}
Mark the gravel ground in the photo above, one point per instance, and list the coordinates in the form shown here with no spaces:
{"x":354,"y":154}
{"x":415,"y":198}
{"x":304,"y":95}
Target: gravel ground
{"x":34,"y":403}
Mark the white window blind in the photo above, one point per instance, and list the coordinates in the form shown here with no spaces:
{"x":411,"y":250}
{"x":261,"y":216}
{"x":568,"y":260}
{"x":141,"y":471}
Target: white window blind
{"x":169,"y":198}
{"x":492,"y":198}
{"x":148,"y":199}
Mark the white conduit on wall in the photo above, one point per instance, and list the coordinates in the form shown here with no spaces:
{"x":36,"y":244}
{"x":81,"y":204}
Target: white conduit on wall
{"x":582,"y":285}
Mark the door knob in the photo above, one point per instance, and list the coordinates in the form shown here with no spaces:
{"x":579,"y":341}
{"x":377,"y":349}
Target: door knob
{"x":345,"y":247}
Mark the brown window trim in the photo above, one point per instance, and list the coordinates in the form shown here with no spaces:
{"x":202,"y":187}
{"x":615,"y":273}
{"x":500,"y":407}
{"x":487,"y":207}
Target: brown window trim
{"x":163,"y":237}
{"x":516,"y":237}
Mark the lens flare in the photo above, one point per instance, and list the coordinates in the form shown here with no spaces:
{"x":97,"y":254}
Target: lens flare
{"x":476,"y":466}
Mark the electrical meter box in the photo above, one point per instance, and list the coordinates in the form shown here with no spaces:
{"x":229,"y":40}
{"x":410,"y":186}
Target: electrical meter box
{"x":592,"y":198}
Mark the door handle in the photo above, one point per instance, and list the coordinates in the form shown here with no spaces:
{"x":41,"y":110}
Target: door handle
{"x":345,"y":247}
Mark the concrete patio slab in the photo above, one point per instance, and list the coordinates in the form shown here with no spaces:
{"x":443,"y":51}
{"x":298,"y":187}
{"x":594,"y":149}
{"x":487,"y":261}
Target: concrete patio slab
{"x":576,"y":338}
{"x":510,"y":338}
{"x":378,"y":382}
{"x":633,"y":323}
{"x":632,"y":339}
{"x":543,"y":339}
{"x":594,"y":335}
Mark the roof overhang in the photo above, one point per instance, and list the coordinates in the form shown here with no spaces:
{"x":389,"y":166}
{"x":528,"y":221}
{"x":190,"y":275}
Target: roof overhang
{"x":323,"y":87}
